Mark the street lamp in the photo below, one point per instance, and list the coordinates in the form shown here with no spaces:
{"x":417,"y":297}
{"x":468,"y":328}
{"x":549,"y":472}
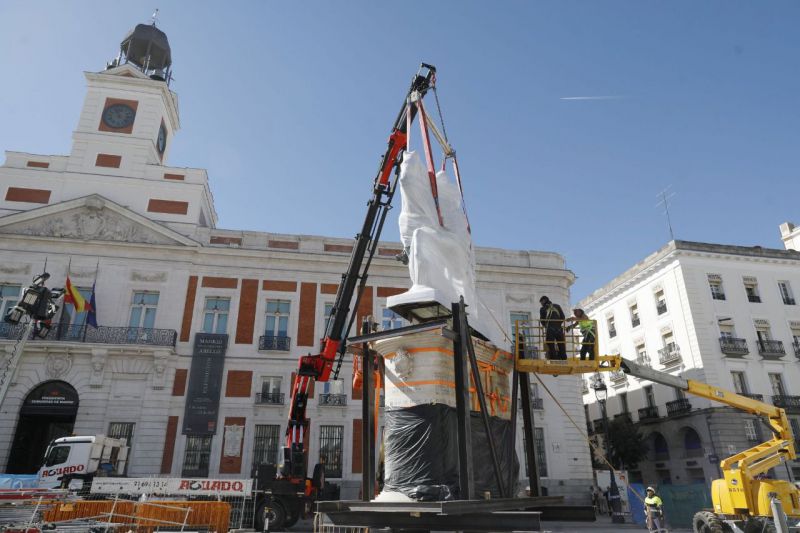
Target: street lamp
{"x":601,"y":393}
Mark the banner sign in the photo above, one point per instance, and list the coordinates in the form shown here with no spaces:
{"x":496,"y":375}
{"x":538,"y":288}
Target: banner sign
{"x":170,"y":486}
{"x":205,"y":384}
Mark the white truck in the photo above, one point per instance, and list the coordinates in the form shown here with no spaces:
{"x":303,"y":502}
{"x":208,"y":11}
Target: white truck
{"x":73,"y":461}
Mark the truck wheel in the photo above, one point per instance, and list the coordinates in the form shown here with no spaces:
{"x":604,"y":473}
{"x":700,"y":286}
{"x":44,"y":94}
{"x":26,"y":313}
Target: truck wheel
{"x":707,"y":522}
{"x":276,"y":513}
{"x":292,"y":518}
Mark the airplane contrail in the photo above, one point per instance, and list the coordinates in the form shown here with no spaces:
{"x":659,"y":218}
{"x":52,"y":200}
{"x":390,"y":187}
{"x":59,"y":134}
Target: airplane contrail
{"x":608,"y":97}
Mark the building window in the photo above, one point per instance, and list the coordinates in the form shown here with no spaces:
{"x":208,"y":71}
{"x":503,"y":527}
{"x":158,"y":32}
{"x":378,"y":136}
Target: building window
{"x":277,"y":323}
{"x":517,"y":316}
{"x":266,"y":445}
{"x":776,"y":382}
{"x":795,"y":327}
{"x":750,"y":430}
{"x":9,"y":296}
{"x":634,"y":309}
{"x":197,"y":455}
{"x":795,"y":430}
{"x":330,"y":450}
{"x":541,"y":452}
{"x":123,"y":430}
{"x":726,"y":331}
{"x":661,"y":302}
{"x":271,"y":390}
{"x":326,"y":319}
{"x":786,"y":292}
{"x":739,"y":382}
{"x":391,"y":320}
{"x":215,"y":315}
{"x":143,"y":310}
{"x":751,"y":288}
{"x":612,"y":329}
{"x":623,"y":402}
{"x":649,"y":396}
{"x":715,"y":284}
{"x":641,"y":355}
{"x":70,"y":317}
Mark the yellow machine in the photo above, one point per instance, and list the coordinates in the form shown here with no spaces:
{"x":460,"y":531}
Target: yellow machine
{"x":742,"y":502}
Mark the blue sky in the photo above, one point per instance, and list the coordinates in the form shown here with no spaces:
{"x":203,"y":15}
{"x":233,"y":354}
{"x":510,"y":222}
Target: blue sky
{"x":288,"y":106}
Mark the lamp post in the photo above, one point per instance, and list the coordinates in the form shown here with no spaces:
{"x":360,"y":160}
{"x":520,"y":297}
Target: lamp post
{"x":601,"y":393}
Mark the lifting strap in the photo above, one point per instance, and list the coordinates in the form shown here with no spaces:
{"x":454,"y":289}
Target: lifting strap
{"x":426,"y":144}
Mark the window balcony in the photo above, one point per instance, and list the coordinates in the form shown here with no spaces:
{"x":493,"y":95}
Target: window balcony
{"x":718,"y":295}
{"x":98,"y":335}
{"x":790,"y":403}
{"x":643,"y":359}
{"x":274,"y":343}
{"x":759,"y":397}
{"x":618,"y":377}
{"x":332,"y":400}
{"x":788,"y":301}
{"x":269,"y":398}
{"x":754,"y":298}
{"x":796,"y":346}
{"x":669,"y":354}
{"x":623,"y":416}
{"x":537,"y":403}
{"x":648,"y":413}
{"x":733,"y":346}
{"x":678,"y":407}
{"x":771,"y":349}
{"x":612,"y":332}
{"x":635,"y":322}
{"x":661,"y":308}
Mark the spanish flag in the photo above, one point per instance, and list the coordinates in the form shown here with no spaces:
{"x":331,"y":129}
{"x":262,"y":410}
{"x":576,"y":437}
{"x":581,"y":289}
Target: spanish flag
{"x":73,"y":296}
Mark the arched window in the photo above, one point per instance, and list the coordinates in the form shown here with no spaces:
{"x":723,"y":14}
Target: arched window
{"x":691,"y":443}
{"x":659,"y":447}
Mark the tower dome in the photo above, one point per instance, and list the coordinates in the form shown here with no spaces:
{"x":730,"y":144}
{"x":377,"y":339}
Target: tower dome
{"x":147,"y":48}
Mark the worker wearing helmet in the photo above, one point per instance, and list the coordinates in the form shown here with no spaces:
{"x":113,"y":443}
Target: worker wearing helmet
{"x":586,"y":326}
{"x":551,"y":317}
{"x":654,"y":510}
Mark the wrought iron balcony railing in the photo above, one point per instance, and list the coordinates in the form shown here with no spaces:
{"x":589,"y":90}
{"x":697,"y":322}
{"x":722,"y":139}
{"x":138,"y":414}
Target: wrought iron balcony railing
{"x":678,"y":407}
{"x":759,"y":397}
{"x":754,"y":298}
{"x":771,"y":348}
{"x":336,"y":400}
{"x":796,"y":346}
{"x":612,"y":332}
{"x":98,"y":335}
{"x":787,"y":402}
{"x":643,"y":359}
{"x":733,"y":346}
{"x":789,"y":301}
{"x":269,"y":398}
{"x":718,"y":295}
{"x":669,"y":354}
{"x":618,"y":376}
{"x":537,"y":403}
{"x":661,"y":308}
{"x":274,"y":343}
{"x":648,"y":413}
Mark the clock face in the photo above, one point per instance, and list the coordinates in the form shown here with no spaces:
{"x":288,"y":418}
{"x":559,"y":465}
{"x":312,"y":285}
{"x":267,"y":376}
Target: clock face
{"x":118,"y":116}
{"x":161,"y":143}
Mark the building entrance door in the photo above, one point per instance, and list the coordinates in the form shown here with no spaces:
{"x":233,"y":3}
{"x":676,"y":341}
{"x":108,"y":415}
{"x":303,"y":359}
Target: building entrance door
{"x":47,"y":413}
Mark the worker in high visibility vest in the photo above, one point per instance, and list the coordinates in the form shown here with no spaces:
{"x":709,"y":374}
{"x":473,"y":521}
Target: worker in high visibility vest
{"x":655,"y":513}
{"x":586,"y":325}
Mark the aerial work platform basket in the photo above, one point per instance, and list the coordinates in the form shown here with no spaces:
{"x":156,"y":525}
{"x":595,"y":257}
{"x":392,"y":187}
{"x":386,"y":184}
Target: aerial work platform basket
{"x":541,"y":352}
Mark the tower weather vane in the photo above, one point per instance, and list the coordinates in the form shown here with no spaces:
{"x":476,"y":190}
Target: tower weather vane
{"x":665,"y":196}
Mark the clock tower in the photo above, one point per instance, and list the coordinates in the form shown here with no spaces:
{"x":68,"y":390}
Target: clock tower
{"x":130,"y":115}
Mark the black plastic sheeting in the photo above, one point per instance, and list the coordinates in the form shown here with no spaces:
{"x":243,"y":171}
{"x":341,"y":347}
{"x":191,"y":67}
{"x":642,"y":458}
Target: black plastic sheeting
{"x":421,"y":453}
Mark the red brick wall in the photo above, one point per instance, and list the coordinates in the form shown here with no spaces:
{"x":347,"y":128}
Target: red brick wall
{"x":171,"y":207}
{"x":169,"y":445}
{"x":232,"y":465}
{"x":344,"y":248}
{"x":177,"y":177}
{"x":308,"y":312}
{"x":108,"y":160}
{"x":38,"y":164}
{"x":329,"y":288}
{"x":220,"y":283}
{"x":179,"y":385}
{"x":285,"y":245}
{"x":238,"y":384}
{"x":226,"y":240}
{"x":23,"y":194}
{"x":384,"y":292}
{"x":280,"y":286}
{"x":188,"y":308}
{"x":245,"y":323}
{"x":364,"y":307}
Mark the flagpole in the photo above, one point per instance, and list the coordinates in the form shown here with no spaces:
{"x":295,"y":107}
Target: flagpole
{"x":91,"y":297}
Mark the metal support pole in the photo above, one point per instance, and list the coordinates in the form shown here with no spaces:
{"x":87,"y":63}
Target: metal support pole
{"x":465,"y":473}
{"x":367,"y":445}
{"x":528,"y":428}
{"x":476,"y":377}
{"x":616,"y":504}
{"x":513,"y":440}
{"x":781,"y":523}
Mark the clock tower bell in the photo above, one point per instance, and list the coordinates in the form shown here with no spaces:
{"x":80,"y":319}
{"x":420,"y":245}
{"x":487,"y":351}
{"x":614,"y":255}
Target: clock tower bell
{"x":130,"y":115}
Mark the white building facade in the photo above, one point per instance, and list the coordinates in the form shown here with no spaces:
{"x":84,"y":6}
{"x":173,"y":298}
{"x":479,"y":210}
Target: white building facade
{"x":112,"y":214}
{"x":790,"y":235}
{"x":724,"y":315}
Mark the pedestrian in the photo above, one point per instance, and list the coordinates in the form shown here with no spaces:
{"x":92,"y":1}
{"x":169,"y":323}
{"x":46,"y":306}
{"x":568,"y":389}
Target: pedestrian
{"x":653,"y":507}
{"x":586,"y":325}
{"x":551,"y":317}
{"x":602,"y":502}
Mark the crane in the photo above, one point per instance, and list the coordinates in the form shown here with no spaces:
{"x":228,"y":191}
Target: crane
{"x":742,"y":500}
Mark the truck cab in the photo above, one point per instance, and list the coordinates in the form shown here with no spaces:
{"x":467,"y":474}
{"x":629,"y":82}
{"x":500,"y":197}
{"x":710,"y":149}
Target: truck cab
{"x":82,"y":458}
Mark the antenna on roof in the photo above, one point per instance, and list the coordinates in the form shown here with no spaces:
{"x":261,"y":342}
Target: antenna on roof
{"x":154,"y":17}
{"x":665,"y":196}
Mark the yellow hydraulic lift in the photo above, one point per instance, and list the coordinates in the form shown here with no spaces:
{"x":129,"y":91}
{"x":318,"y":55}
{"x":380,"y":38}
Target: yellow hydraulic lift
{"x":743,"y":501}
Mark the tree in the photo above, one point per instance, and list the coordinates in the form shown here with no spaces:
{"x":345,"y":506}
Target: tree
{"x":628,"y":446}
